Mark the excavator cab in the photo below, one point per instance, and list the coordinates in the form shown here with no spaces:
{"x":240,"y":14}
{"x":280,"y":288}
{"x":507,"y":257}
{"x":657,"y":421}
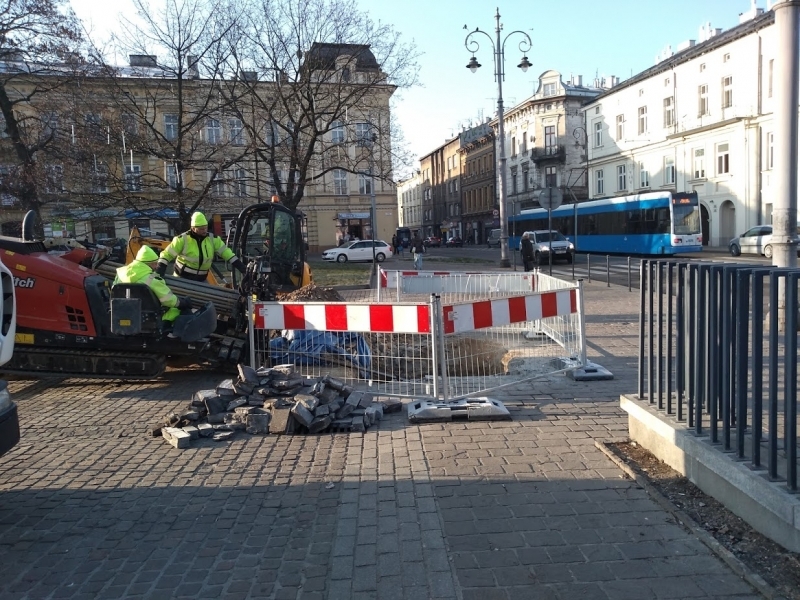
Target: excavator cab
{"x":268,"y":237}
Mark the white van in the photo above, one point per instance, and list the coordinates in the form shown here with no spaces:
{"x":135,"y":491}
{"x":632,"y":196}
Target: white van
{"x":9,"y":421}
{"x":493,"y":239}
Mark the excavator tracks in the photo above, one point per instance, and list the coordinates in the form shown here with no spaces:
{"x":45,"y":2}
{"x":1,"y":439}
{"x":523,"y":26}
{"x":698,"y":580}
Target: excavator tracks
{"x":45,"y":362}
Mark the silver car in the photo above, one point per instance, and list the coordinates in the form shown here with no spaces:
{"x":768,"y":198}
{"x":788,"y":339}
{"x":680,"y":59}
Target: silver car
{"x":543,"y":241}
{"x":756,"y":240}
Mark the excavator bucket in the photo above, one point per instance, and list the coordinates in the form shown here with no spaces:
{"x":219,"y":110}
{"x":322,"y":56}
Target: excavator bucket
{"x":195,"y":327}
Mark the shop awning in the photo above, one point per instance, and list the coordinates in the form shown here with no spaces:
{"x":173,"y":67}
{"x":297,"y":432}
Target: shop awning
{"x":357,"y":215}
{"x":152,"y":213}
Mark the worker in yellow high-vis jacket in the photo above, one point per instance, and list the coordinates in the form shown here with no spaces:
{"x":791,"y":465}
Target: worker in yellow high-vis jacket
{"x":193,"y":252}
{"x":142,"y":270}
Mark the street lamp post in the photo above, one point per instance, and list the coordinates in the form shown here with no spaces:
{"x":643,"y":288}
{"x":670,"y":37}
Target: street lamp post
{"x":498,"y":49}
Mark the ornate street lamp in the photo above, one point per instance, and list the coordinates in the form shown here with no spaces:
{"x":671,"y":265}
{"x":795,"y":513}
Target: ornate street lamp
{"x":498,"y":49}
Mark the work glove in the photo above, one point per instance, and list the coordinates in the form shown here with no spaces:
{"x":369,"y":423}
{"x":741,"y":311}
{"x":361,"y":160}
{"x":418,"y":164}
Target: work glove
{"x":239,"y":266}
{"x":185,"y":303}
{"x":161,"y":269}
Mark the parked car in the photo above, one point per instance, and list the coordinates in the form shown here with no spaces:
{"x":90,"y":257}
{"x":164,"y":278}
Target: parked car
{"x":756,"y":240}
{"x":562,"y":248}
{"x":432,"y":242}
{"x":454,"y":242}
{"x":359,"y":251}
{"x":493,"y":241}
{"x":9,"y":421}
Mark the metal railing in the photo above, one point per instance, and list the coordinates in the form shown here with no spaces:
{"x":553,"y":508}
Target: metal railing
{"x":703,"y":356}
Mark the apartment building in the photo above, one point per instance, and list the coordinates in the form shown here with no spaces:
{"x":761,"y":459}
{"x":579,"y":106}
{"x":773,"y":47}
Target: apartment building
{"x":129,"y":149}
{"x":699,"y":120}
{"x":409,"y":201}
{"x":478,"y":177}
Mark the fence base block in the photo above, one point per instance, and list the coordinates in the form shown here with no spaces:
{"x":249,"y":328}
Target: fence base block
{"x":589,"y":372}
{"x":469,"y":409}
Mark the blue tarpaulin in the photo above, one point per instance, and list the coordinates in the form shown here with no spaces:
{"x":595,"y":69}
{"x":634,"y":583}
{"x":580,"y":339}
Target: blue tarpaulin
{"x":307,"y":347}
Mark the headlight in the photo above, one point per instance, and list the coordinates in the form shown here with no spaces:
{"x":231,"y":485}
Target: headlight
{"x":571,"y":247}
{"x":5,"y":397}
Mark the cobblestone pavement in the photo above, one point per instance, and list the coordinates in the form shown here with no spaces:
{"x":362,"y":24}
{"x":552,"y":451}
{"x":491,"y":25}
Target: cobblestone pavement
{"x":92,"y":507}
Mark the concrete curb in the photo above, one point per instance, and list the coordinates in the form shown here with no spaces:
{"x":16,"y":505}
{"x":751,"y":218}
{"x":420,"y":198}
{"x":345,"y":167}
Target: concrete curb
{"x":691,"y":525}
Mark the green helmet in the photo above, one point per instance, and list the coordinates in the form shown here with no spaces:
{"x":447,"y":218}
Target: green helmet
{"x":199,"y":220}
{"x":146,"y":254}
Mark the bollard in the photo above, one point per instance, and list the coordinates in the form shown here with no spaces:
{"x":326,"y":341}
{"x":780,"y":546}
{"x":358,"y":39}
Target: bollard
{"x":629,"y":273}
{"x":608,"y":271}
{"x":589,"y":268}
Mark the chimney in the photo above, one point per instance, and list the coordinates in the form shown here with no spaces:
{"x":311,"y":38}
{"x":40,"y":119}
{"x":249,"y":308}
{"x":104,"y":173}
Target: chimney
{"x":143,"y":60}
{"x":192,"y":68}
{"x":580,"y":79}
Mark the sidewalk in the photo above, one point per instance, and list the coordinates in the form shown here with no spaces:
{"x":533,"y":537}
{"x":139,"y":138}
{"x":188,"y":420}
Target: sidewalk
{"x":91,"y":507}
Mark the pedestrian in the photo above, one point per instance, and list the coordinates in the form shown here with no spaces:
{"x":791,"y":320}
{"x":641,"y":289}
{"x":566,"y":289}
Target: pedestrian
{"x":417,"y":250}
{"x":193,"y":252}
{"x":527,"y":252}
{"x":142,"y":270}
{"x":394,"y":244}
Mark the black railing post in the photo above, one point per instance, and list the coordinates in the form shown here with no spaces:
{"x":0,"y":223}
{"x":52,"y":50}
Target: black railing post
{"x":680,"y":341}
{"x":670,"y":329}
{"x":660,"y":336}
{"x":642,"y":290}
{"x":772,"y":399}
{"x":742,"y":322}
{"x":790,"y":382}
{"x":758,"y":363}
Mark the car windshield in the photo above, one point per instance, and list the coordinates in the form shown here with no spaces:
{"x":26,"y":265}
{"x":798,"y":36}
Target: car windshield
{"x":544,"y":236}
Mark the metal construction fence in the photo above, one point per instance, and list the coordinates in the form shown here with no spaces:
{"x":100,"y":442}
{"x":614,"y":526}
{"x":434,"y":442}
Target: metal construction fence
{"x":704,"y":357}
{"x":438,"y":347}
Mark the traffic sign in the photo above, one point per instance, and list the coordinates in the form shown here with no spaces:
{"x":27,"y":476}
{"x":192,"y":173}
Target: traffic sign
{"x":550,"y":198}
{"x":495,"y":213}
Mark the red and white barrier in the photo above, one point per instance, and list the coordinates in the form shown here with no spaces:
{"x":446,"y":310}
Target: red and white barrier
{"x":362,"y":318}
{"x":459,"y":318}
{"x":390,"y":279}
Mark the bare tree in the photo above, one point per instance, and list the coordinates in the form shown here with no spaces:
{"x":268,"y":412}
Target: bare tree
{"x":40,"y":44}
{"x":315,"y":80}
{"x":172,"y":146}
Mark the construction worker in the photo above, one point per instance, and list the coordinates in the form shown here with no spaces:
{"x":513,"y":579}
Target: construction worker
{"x":193,"y":252}
{"x":142,"y":270}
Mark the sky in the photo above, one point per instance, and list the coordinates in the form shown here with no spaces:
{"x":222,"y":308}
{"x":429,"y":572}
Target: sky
{"x":580,"y":37}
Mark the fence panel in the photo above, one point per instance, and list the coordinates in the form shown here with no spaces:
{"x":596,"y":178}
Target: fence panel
{"x":386,"y":349}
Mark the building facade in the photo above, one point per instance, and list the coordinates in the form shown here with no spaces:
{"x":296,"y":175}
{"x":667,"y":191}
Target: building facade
{"x":545,"y":141}
{"x":478,"y":177}
{"x":409,"y":202}
{"x":699,"y":120}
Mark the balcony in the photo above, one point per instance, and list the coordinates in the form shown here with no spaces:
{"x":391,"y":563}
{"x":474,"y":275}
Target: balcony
{"x":549,"y":154}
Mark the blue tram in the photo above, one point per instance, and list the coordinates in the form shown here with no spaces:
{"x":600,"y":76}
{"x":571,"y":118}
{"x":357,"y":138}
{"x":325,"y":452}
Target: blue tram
{"x":652,"y":223}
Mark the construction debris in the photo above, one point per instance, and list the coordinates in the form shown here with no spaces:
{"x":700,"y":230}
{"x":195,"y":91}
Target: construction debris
{"x":274,"y":400}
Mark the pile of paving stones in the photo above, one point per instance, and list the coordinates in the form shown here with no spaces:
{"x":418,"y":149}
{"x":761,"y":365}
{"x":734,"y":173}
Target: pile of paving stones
{"x":274,"y":400}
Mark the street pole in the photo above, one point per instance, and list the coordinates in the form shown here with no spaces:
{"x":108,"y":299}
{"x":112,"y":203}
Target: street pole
{"x":784,"y":213}
{"x":374,"y":275}
{"x":498,"y":48}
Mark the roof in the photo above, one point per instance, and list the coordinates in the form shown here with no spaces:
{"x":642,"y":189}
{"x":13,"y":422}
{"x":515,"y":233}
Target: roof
{"x":724,"y":38}
{"x":323,"y":56}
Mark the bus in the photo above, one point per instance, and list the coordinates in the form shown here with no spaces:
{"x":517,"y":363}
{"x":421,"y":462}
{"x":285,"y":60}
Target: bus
{"x":653,"y":223}
{"x":403,"y":236}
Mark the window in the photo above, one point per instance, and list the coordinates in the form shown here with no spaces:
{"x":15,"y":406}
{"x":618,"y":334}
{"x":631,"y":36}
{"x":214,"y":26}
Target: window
{"x":598,"y":182}
{"x":549,"y":89}
{"x":669,"y":112}
{"x":54,"y":179}
{"x":699,"y":163}
{"x":550,"y":146}
{"x":337,"y":132}
{"x":217,"y":183}
{"x":702,"y":67}
{"x":340,"y":182}
{"x":213,"y":131}
{"x":666,"y":82}
{"x":525,"y":180}
{"x":239,"y":182}
{"x":723,"y":160}
{"x":769,"y":78}
{"x":133,"y":178}
{"x":669,"y":170}
{"x":93,"y":126}
{"x":702,"y":100}
{"x":171,"y":127}
{"x":770,"y":150}
{"x":364,"y":184}
{"x":550,"y":177}
{"x":363,"y":134}
{"x":644,"y":176}
{"x":99,"y":179}
{"x":172,"y":176}
{"x":513,"y":146}
{"x":514,"y":181}
{"x":272,"y":133}
{"x":598,"y":135}
{"x":642,"y":120}
{"x":727,"y":92}
{"x":237,"y":135}
{"x":641,"y":92}
{"x":346,"y":74}
{"x":620,"y":127}
{"x":726,"y":57}
{"x":129,"y":124}
{"x":622,"y":183}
